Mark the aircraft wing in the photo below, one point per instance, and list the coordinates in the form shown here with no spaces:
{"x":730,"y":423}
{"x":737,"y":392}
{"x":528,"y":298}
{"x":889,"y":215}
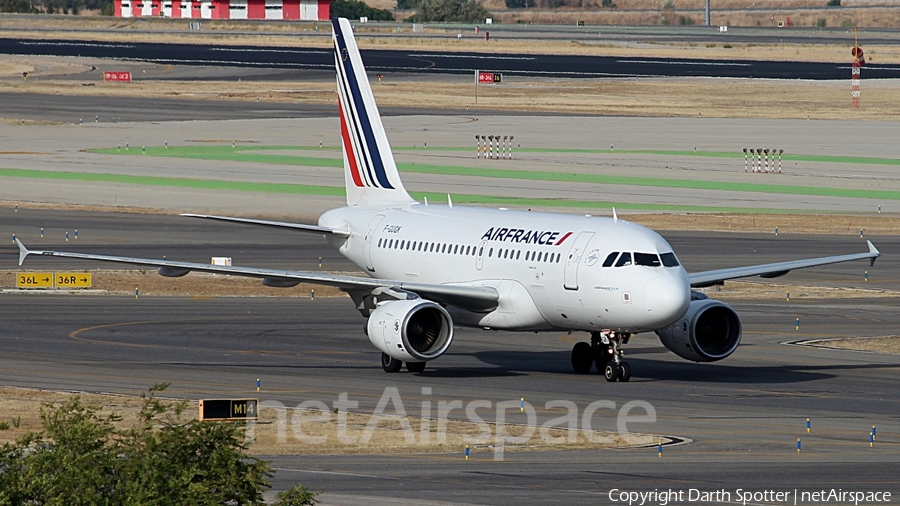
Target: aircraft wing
{"x":473,"y":298}
{"x":710,"y":278}
{"x":281,"y":224}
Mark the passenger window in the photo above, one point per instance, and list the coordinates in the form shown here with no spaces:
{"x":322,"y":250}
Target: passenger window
{"x":443,"y":248}
{"x":646,"y":259}
{"x":558,"y":256}
{"x":379,"y":243}
{"x":481,"y":251}
{"x":456,"y":249}
{"x":668,"y":259}
{"x":610,"y":259}
{"x":467,"y":250}
{"x":545,"y":256}
{"x":491,"y":252}
{"x":518,"y":254}
{"x":624,"y":260}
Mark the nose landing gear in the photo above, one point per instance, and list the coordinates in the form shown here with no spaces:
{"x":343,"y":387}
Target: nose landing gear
{"x":605,"y":350}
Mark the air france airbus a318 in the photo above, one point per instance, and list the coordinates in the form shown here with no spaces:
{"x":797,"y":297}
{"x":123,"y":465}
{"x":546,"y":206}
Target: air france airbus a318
{"x":434,"y":267}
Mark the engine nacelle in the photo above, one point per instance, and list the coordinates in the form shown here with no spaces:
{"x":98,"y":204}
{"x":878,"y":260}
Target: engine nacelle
{"x":709,"y":331}
{"x":411,"y":330}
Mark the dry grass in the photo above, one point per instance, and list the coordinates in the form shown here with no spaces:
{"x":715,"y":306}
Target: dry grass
{"x":800,"y":223}
{"x":846,"y":17}
{"x":884,"y":344}
{"x":422,"y":435}
{"x":303,"y":35}
{"x":757,"y":290}
{"x":685,"y":97}
{"x":23,"y":408}
{"x":849,"y":224}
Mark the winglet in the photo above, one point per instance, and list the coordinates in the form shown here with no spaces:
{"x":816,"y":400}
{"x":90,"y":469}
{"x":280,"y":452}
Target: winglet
{"x":23,"y":251}
{"x":873,"y":250}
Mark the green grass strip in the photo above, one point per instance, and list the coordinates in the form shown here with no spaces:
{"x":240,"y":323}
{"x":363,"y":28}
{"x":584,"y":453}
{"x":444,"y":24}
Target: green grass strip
{"x":221,"y":151}
{"x":253,"y":155}
{"x":338,"y":191}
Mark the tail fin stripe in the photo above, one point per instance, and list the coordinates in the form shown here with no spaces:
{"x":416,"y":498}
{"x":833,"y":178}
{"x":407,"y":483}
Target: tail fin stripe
{"x":353,"y":142}
{"x":354,"y":130}
{"x":359,"y":112}
{"x":348,"y":147}
{"x":357,"y":145}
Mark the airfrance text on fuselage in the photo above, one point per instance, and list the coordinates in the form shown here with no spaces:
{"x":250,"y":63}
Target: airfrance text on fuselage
{"x":518,"y":235}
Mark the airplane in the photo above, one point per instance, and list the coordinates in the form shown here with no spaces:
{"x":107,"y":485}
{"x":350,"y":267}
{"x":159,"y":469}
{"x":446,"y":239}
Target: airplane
{"x":433,"y":267}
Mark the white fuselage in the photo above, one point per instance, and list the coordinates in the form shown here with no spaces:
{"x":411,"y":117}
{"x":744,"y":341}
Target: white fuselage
{"x":548,"y":268}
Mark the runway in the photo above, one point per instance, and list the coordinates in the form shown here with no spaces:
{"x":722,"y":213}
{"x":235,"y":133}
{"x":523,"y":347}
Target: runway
{"x":743,"y":414}
{"x":440,"y":62}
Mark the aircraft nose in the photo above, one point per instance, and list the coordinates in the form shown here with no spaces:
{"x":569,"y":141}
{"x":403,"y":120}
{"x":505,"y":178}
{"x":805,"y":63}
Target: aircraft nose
{"x":667,"y":298}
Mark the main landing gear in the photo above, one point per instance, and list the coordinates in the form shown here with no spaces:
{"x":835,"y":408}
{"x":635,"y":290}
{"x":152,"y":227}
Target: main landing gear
{"x":605,"y":350}
{"x":391,"y":364}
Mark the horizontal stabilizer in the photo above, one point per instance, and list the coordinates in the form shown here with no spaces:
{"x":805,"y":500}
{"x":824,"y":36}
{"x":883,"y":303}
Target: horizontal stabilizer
{"x":280,"y":224}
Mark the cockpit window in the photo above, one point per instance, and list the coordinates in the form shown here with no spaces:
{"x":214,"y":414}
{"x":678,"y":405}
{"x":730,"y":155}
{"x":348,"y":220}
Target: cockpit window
{"x":625,"y":259}
{"x":610,"y":259}
{"x":646,"y":259}
{"x":669,"y":260}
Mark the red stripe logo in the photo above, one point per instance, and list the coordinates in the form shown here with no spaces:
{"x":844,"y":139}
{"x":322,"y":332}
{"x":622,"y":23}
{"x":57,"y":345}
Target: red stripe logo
{"x":563,"y":238}
{"x":348,"y":148}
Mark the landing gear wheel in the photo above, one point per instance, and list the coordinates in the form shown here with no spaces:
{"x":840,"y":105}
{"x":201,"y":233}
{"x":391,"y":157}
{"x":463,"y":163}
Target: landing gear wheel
{"x":415,"y":366}
{"x":601,"y":358}
{"x":582,"y":358}
{"x":624,"y":371}
{"x":611,"y":371}
{"x":390,"y":364}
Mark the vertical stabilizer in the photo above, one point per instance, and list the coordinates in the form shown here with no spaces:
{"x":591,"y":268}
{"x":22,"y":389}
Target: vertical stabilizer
{"x":369,"y":170}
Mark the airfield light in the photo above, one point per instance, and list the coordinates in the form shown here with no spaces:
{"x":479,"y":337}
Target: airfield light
{"x":745,"y":159}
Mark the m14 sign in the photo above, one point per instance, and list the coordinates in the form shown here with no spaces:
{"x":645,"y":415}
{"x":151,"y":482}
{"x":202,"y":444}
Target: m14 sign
{"x":489,"y":78}
{"x":122,"y":77}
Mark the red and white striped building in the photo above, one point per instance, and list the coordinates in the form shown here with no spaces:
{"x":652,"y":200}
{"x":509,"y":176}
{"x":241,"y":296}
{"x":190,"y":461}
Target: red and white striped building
{"x":303,"y":10}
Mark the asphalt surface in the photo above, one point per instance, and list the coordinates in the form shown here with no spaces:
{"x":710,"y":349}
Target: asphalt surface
{"x":422,"y":62}
{"x":742,"y":415}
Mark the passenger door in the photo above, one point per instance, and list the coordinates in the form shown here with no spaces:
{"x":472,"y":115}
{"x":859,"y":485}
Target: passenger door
{"x":574,"y":257}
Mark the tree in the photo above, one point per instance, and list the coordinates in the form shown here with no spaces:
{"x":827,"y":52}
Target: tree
{"x":297,"y":496}
{"x":82,"y":458}
{"x":20,"y":6}
{"x":355,"y":9}
{"x":452,"y":11}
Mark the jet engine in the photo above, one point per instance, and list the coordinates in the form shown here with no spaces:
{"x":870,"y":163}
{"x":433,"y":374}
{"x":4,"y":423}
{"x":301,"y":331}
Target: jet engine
{"x":411,"y":330}
{"x":709,"y":331}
